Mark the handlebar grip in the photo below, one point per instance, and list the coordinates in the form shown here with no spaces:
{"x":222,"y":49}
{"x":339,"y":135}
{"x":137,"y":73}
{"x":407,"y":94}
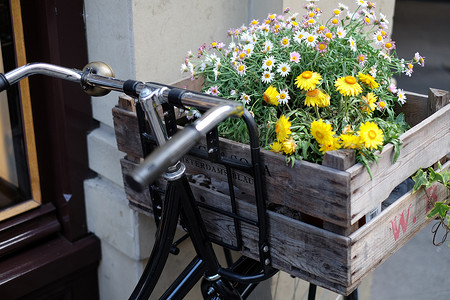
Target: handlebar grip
{"x":4,"y":84}
{"x":163,"y":157}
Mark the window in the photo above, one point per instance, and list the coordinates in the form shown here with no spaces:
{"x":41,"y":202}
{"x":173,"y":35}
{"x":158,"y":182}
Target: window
{"x":19,"y":178}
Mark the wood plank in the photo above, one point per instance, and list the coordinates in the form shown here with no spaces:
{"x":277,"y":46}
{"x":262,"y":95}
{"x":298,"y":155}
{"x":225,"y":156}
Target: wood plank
{"x":373,"y":243}
{"x":423,"y":145}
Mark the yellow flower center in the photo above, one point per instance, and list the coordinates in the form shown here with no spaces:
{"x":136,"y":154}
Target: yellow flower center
{"x":336,"y":12}
{"x":382,"y":104}
{"x":248,"y":51}
{"x":410,"y":66}
{"x":285,"y":41}
{"x":267,"y":75}
{"x":241,"y":68}
{"x":372,"y":134}
{"x":267,"y":21}
{"x":242,"y":55}
{"x":282,"y":96}
{"x":321,"y":28}
{"x":313,"y":93}
{"x":277,"y":26}
{"x":329,"y":35}
{"x":268,"y":63}
{"x":311,"y":21}
{"x":310,"y":39}
{"x":272,"y":17}
{"x":307,"y":74}
{"x":383,"y":33}
{"x":388,"y":45}
{"x":254,"y":22}
{"x":350,"y":79}
{"x":283,"y":69}
{"x":214,"y":44}
{"x":379,"y":38}
{"x":335,"y":21}
{"x":311,"y":14}
{"x":321,"y":46}
{"x":361,"y":58}
{"x":319,"y":135}
{"x":367,"y":20}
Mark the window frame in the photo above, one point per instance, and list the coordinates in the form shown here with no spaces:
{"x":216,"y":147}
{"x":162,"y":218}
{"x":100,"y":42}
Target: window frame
{"x":27,"y":119}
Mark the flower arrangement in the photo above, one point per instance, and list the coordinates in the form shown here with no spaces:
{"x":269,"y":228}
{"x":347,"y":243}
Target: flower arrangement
{"x":312,"y":86}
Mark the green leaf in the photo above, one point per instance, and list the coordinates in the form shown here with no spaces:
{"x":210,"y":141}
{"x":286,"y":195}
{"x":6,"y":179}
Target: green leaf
{"x":439,"y":209}
{"x":420,"y":179}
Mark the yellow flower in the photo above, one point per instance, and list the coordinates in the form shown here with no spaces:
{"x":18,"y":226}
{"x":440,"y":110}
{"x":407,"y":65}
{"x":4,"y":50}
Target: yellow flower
{"x":371,"y":135}
{"x":369,"y":104}
{"x":282,"y":128}
{"x":317,"y":98}
{"x":308,"y":80}
{"x":289,"y":146}
{"x":368,"y":80}
{"x":333,"y":144}
{"x":322,"y":132}
{"x":276,"y":147}
{"x":270,"y":96}
{"x":350,"y":141}
{"x":348,"y":86}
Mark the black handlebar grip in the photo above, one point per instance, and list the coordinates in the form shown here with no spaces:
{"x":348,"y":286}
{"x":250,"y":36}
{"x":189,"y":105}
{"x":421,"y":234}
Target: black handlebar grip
{"x":163,"y":157}
{"x":4,"y":84}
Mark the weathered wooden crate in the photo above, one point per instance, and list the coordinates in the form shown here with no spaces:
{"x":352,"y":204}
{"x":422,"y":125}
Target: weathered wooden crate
{"x":316,"y":231}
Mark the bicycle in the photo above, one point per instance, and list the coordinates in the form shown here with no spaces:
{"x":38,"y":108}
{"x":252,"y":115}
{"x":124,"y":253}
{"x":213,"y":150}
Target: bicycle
{"x":236,"y":281}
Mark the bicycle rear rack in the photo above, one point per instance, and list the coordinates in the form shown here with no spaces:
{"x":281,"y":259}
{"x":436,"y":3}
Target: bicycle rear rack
{"x":213,"y":154}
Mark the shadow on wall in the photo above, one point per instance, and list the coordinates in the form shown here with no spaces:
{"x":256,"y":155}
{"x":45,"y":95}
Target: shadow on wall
{"x":423,"y":26}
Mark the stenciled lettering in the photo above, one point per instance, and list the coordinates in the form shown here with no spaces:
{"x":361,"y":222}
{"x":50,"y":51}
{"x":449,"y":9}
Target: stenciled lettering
{"x":402,"y":224}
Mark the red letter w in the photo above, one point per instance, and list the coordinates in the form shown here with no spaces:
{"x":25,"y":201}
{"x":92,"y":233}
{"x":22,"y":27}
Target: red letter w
{"x":403,"y":224}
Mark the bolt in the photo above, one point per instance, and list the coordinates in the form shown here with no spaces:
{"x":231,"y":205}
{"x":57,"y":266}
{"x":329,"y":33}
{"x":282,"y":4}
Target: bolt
{"x":266,"y":249}
{"x":267,"y":261}
{"x":211,"y":290}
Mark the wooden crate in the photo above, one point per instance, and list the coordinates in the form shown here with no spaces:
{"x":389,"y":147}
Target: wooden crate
{"x":315,"y":231}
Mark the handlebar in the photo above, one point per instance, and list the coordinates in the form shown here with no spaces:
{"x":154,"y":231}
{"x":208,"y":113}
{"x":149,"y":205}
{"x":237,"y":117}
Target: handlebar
{"x":97,"y":79}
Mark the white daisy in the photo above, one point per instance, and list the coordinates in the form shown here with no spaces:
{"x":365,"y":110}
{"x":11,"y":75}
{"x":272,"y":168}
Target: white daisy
{"x":373,"y":71}
{"x":268,"y":46}
{"x":241,"y":68}
{"x":184,"y":68}
{"x":385,"y":56}
{"x":283,"y":69}
{"x":342,"y":6}
{"x":285,"y":42}
{"x":267,"y":77}
{"x":311,"y":40}
{"x":362,"y":3}
{"x":283,"y":97}
{"x":299,"y":35}
{"x":245,"y":98}
{"x":352,"y":43}
{"x":268,"y":63}
{"x":378,"y":38}
{"x":401,"y":96}
{"x":341,"y":32}
{"x":248,"y":49}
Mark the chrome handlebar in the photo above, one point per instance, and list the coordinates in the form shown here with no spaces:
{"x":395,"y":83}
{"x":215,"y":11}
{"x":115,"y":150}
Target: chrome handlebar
{"x":97,"y":79}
